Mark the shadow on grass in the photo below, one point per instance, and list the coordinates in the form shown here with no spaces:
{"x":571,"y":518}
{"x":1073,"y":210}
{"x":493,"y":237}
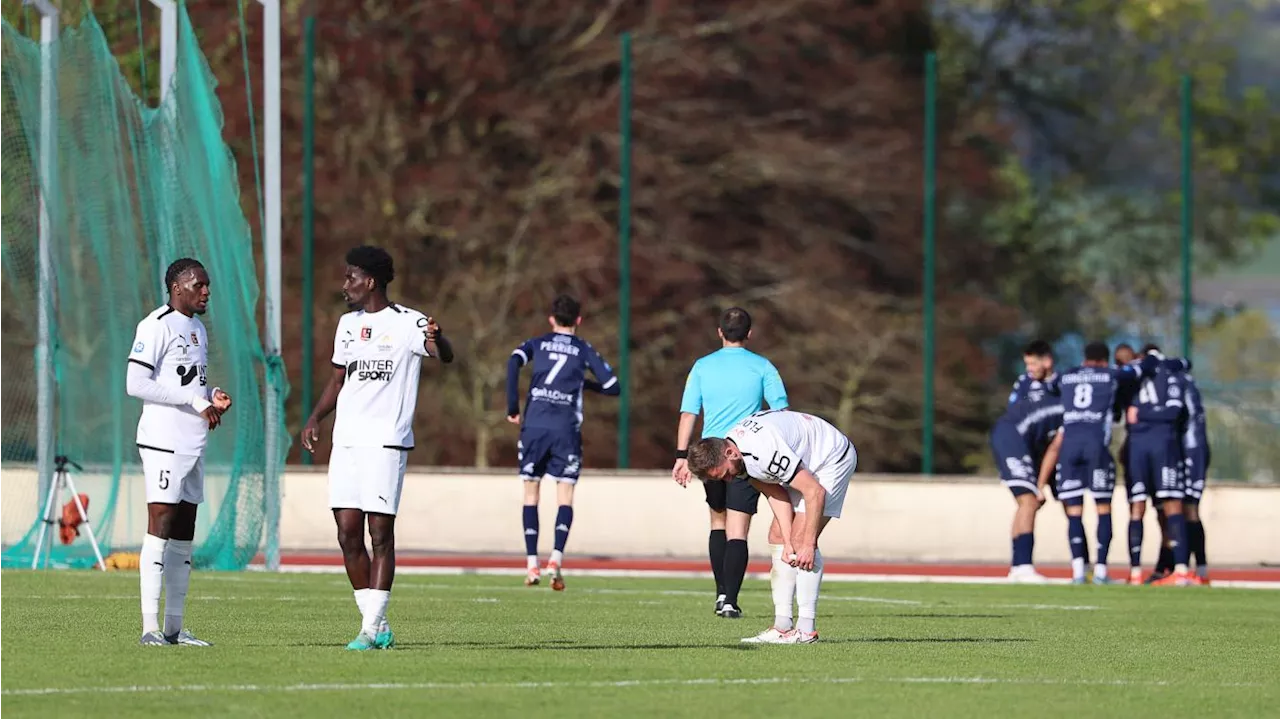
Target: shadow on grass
{"x":568,"y":645}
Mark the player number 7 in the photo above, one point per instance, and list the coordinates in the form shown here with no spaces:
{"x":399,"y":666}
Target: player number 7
{"x":559,"y":359}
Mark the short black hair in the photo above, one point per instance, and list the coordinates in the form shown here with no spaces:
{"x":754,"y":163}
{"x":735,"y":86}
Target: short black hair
{"x":176,"y":269}
{"x":375,"y":262}
{"x":1097,"y":352}
{"x":735,"y":324}
{"x":1038,"y":348}
{"x":1124,"y":346}
{"x":1149,"y":347}
{"x":565,"y":310}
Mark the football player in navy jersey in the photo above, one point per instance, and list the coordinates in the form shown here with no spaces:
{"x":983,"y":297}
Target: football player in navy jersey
{"x":551,"y":426}
{"x":1038,"y":360}
{"x":1082,"y":449}
{"x":1155,"y":455}
{"x":1135,"y":492}
{"x":1019,"y":440}
{"x":1195,"y":457}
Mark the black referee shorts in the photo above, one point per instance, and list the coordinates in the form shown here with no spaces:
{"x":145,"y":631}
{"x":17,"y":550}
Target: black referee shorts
{"x":737,"y":494}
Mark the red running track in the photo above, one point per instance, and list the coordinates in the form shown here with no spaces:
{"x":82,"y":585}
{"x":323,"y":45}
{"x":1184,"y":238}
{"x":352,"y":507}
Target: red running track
{"x":1260,"y":574}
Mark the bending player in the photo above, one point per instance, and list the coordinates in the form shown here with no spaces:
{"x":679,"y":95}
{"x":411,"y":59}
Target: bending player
{"x":551,"y":429}
{"x":727,"y":386}
{"x":1019,"y":438}
{"x":168,"y":371}
{"x":1038,"y":360}
{"x":377,"y":360}
{"x":803,"y":465}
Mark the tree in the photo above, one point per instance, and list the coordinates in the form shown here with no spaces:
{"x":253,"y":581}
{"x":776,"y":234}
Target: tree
{"x":1091,"y":202}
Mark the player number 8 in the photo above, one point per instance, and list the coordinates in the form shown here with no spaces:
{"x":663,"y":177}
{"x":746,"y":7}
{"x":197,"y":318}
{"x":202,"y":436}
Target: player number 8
{"x":164,"y":479}
{"x":1083,"y":395}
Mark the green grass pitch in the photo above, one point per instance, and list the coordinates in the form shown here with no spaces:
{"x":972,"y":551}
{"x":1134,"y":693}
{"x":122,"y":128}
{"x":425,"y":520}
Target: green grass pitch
{"x":487,"y":647}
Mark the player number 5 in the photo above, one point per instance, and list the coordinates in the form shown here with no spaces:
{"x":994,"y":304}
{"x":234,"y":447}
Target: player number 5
{"x":164,"y":479}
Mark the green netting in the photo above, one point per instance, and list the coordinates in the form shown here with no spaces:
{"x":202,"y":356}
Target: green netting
{"x":134,"y":189}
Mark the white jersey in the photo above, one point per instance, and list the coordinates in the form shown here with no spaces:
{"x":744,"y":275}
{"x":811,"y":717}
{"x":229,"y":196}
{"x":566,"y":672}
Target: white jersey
{"x":175,"y":348}
{"x":777,"y":443}
{"x":382,"y":353}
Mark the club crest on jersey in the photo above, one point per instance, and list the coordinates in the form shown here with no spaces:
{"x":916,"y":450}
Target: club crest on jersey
{"x":195,"y":339}
{"x":366,"y":334}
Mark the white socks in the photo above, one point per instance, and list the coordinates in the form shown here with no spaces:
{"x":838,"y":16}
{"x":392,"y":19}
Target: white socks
{"x":1077,"y":568}
{"x":1099,"y":571}
{"x":531,"y":561}
{"x":151,"y":572}
{"x":557,"y":558}
{"x":782,"y":580}
{"x":807,"y":585}
{"x":374,"y":610}
{"x":177,"y":577}
{"x":364,"y":597}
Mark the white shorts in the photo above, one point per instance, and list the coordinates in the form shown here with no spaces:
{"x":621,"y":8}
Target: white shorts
{"x":366,"y":478}
{"x":172,"y":478}
{"x":834,"y":477}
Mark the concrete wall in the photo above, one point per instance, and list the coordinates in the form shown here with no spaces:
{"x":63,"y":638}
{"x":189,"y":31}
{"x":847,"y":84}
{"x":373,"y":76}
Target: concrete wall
{"x":646,"y":514}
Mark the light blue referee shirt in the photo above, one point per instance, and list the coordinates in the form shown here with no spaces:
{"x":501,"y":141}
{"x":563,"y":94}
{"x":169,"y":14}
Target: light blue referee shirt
{"x":728,"y":385}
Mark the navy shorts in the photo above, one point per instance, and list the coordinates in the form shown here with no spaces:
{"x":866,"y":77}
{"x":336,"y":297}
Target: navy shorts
{"x":737,"y":494}
{"x":1195,"y":463}
{"x":1085,"y":465}
{"x":1155,"y":463}
{"x":1013,"y":460}
{"x":555,"y":455}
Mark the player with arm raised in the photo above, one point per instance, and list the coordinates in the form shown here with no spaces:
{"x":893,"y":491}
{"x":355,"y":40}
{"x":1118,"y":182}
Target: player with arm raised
{"x":727,"y":386}
{"x":168,"y":371}
{"x":1135,"y":491}
{"x":377,"y":361}
{"x":803,"y":465}
{"x":550,"y":442}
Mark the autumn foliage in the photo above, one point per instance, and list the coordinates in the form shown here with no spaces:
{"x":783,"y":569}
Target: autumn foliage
{"x":778,"y":165}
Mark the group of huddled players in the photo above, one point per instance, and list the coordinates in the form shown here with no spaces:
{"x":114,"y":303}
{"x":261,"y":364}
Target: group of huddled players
{"x":1055,"y":437}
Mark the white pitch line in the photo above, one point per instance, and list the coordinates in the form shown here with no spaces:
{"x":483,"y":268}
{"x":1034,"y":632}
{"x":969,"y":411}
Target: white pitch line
{"x":619,"y":684}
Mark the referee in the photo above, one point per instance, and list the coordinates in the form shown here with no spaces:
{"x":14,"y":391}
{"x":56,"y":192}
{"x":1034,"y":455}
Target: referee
{"x":726,"y":386}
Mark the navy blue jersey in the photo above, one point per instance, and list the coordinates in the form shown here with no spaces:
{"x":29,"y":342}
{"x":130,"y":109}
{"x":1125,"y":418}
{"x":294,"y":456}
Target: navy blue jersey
{"x":1037,"y":417}
{"x":1194,"y":432}
{"x":1025,"y":385}
{"x":560,"y":363}
{"x":1089,"y":399}
{"x":1159,"y":403}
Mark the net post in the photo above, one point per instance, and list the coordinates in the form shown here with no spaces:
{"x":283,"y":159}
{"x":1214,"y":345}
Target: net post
{"x":624,"y":256}
{"x":308,"y":207}
{"x":1188,"y":205}
{"x":168,"y":43}
{"x":271,"y":262}
{"x":930,"y":229}
{"x":45,"y":381}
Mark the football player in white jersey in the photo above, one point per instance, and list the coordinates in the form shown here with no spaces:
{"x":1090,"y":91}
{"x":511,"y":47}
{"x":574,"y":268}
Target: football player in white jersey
{"x":377,"y":358}
{"x":803,"y":465}
{"x":168,"y":371}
